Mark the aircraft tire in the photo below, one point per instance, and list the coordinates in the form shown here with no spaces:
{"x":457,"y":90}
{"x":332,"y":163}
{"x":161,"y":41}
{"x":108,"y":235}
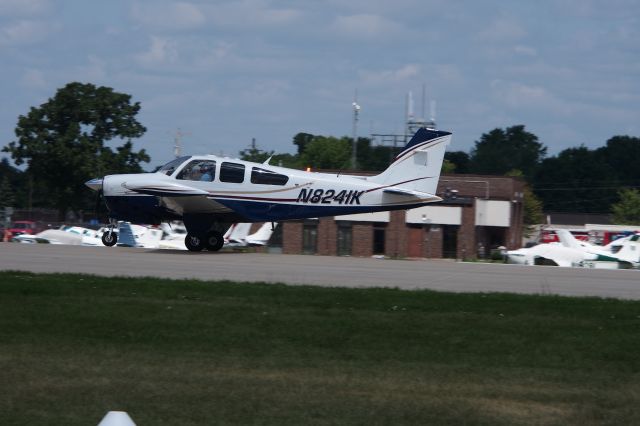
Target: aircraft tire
{"x":194,"y":242}
{"x":109,"y":239}
{"x":214,"y":241}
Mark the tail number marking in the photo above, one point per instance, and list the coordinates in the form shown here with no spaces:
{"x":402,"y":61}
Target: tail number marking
{"x":320,"y":196}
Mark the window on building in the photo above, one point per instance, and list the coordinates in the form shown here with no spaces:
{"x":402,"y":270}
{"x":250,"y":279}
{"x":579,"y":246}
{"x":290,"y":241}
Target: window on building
{"x":344,"y":239}
{"x":204,"y":170}
{"x":267,"y":177}
{"x":310,"y":238}
{"x":379,"y":236}
{"x":232,"y":172}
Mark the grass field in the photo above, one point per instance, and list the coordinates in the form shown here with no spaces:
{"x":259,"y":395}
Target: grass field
{"x":73,"y":347}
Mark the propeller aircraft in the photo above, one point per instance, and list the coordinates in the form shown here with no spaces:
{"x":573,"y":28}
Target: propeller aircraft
{"x":209,"y":193}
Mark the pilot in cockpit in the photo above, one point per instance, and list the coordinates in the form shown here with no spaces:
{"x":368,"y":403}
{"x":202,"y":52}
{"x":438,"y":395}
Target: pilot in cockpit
{"x":207,"y":173}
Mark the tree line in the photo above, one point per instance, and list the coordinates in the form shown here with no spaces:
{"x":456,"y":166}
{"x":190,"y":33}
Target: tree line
{"x":63,"y":144}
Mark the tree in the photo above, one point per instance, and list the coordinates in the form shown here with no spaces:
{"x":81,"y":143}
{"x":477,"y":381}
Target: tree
{"x":327,"y":153}
{"x":622,"y":153}
{"x":627,"y":210}
{"x":374,"y":158}
{"x":459,"y":159}
{"x":62,"y":141}
{"x":302,"y":140}
{"x":16,"y":181}
{"x":448,"y":167}
{"x":531,"y":205}
{"x":576,"y":181}
{"x":255,"y":154}
{"x":7,"y":198}
{"x":499,"y":151}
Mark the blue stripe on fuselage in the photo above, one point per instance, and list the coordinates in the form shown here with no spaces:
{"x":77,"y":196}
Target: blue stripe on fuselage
{"x":256,"y":211}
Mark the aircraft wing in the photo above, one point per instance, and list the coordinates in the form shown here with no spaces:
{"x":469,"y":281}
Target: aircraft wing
{"x":178,"y":197}
{"x":164,"y":189}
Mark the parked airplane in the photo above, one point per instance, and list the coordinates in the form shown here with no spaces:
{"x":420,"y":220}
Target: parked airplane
{"x":623,"y":253}
{"x":242,"y":191}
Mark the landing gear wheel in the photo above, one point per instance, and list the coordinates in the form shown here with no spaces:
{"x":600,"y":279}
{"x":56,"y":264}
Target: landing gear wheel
{"x":194,"y":242}
{"x":109,"y":238}
{"x":214,"y":241}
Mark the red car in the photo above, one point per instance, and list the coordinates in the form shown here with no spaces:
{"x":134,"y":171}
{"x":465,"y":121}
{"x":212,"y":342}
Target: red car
{"x":21,"y":227}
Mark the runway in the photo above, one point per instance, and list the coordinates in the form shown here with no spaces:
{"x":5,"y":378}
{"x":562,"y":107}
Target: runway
{"x":442,"y":275}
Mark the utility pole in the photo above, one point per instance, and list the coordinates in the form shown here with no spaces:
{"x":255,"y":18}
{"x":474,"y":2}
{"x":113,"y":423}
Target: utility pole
{"x":354,"y":151}
{"x":177,"y":142}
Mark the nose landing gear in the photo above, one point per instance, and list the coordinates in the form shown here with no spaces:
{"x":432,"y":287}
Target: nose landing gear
{"x":110,"y":238}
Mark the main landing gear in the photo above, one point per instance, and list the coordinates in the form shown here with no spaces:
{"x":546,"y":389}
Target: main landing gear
{"x":110,"y":238}
{"x":212,"y":241}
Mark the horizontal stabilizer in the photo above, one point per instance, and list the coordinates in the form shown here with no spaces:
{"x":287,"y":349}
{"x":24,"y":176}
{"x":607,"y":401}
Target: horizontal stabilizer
{"x":409,"y":193}
{"x":164,"y":189}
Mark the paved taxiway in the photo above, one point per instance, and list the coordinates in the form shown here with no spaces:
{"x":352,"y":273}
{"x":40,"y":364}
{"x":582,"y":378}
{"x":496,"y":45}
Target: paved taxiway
{"x":321,"y":270}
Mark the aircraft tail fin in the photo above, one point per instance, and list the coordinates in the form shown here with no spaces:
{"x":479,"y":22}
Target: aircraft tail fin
{"x":125,"y":235}
{"x":417,"y":167}
{"x":567,"y":239}
{"x":239,"y":233}
{"x":262,"y":235}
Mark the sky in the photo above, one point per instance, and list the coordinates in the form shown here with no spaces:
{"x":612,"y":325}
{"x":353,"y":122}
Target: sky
{"x":224,"y":72}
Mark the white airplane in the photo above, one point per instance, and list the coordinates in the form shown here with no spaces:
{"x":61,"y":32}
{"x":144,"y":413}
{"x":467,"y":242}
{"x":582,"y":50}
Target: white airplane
{"x":570,"y":252}
{"x":623,"y":250}
{"x":241,"y":191}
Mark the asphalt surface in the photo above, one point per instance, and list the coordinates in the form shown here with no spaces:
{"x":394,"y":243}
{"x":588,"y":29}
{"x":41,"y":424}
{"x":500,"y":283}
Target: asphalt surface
{"x":440,"y":275}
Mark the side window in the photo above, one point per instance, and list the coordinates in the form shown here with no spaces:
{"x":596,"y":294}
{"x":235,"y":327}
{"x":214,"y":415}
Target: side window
{"x":203,"y":170}
{"x":267,"y":177}
{"x":232,"y":172}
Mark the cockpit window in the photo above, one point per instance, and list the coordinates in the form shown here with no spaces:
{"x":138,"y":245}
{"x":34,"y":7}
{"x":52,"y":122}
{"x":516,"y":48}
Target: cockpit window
{"x":171,"y":166}
{"x":203,"y":170}
{"x":231,"y":172}
{"x":267,"y":177}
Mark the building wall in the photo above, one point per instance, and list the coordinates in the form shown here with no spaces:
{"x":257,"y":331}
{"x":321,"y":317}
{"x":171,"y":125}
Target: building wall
{"x":327,"y":237}
{"x":362,"y":236}
{"x":467,"y":233}
{"x":396,"y":235}
{"x":292,"y":237}
{"x":433,"y":242}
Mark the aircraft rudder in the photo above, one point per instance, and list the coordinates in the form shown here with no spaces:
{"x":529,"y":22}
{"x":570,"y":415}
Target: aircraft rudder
{"x":417,"y":167}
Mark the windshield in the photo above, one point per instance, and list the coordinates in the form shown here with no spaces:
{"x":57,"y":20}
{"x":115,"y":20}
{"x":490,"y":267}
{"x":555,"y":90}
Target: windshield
{"x":171,"y":166}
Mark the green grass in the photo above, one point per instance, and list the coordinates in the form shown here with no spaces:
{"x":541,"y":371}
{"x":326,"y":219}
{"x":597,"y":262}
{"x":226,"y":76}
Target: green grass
{"x":73,"y":347}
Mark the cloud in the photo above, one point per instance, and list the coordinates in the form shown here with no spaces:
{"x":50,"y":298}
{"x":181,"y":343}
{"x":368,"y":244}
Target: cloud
{"x":391,"y":76}
{"x":502,"y":30}
{"x":161,"y":51}
{"x":525,"y":50}
{"x":168,"y":16}
{"x":522,"y":96}
{"x":250,"y":14}
{"x":33,"y":79}
{"x":24,"y":32}
{"x":18,"y":8}
{"x":365,"y":26}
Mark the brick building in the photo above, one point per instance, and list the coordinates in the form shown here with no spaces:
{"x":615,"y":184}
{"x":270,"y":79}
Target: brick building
{"x":478,"y":213}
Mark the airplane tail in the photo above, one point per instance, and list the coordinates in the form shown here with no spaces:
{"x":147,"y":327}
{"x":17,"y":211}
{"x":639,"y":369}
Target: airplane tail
{"x":125,"y":235}
{"x":238,"y":234}
{"x":262,"y":235}
{"x":417,"y":167}
{"x":567,"y":239}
